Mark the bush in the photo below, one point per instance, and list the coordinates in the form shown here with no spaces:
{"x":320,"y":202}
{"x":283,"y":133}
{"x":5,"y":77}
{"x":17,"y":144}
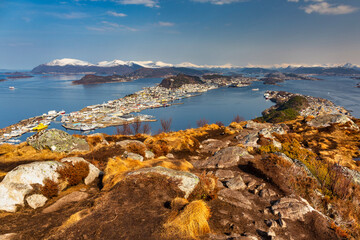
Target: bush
{"x":74,"y":173}
{"x":159,"y":148}
{"x":206,"y":188}
{"x":166,"y":125}
{"x":219,"y":123}
{"x":50,"y":188}
{"x":136,"y":148}
{"x":202,"y":122}
{"x":238,"y":119}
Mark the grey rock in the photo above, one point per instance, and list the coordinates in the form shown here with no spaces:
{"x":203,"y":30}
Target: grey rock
{"x":70,"y":198}
{"x":212,"y":145}
{"x":224,"y":174}
{"x":187,"y":181}
{"x":227,"y":157}
{"x":36,"y":200}
{"x":236,"y":183}
{"x":149,"y":154}
{"x":291,"y":208}
{"x":170,"y":156}
{"x":328,"y":119}
{"x":19,"y":182}
{"x":93,"y":171}
{"x":133,"y":156}
{"x":265,"y":193}
{"x":250,"y":140}
{"x":57,"y":141}
{"x":235,"y":198}
{"x":255,"y":125}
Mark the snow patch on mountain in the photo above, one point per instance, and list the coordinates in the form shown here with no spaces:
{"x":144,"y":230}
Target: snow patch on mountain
{"x":68,"y":61}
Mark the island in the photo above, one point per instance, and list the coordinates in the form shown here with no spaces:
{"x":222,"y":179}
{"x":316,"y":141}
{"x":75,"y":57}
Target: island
{"x":95,"y":79}
{"x":278,"y":77}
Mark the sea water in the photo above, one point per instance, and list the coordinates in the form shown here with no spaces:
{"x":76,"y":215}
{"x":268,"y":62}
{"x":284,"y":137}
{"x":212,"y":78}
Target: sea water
{"x":37,"y":95}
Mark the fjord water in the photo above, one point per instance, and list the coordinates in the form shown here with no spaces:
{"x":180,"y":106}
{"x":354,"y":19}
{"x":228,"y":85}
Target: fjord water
{"x":34,"y":96}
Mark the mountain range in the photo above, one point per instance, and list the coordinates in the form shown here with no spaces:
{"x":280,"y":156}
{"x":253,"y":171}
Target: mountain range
{"x":159,"y":68}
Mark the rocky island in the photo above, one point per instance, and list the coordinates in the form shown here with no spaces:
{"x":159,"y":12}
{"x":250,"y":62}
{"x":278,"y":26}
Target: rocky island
{"x":180,"y":80}
{"x":278,"y":77}
{"x":95,"y":79}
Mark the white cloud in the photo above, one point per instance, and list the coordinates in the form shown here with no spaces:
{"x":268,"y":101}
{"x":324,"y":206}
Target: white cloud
{"x":111,"y":27}
{"x":293,"y":0}
{"x":166,"y":24}
{"x":72,"y":15}
{"x":115,"y":14}
{"x":219,"y":2}
{"x":147,"y":3}
{"x":328,"y":9}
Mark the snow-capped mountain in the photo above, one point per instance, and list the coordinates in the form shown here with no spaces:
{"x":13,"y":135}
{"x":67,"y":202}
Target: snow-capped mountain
{"x":68,"y":61}
{"x":68,"y":65}
{"x":113,"y":63}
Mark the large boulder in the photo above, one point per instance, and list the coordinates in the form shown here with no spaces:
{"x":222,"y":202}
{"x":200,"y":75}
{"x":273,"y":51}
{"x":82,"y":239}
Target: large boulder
{"x":57,"y":141}
{"x":328,"y":119}
{"x":227,"y":157}
{"x":292,"y":208}
{"x":21,"y":182}
{"x":213,"y":145}
{"x":187,"y":181}
{"x":18,"y":182}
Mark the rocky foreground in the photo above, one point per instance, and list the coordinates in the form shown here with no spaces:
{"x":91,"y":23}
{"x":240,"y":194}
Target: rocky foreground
{"x":250,"y":180}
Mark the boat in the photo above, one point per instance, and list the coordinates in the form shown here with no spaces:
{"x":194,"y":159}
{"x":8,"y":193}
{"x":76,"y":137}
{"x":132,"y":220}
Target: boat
{"x":11,"y":87}
{"x":40,"y":127}
{"x":255,"y":89}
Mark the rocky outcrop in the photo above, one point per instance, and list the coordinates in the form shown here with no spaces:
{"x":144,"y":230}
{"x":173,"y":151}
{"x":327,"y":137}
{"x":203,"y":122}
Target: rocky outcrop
{"x":291,"y":208}
{"x":21,"y":182}
{"x":179,"y":80}
{"x":187,"y":181}
{"x":57,"y":141}
{"x":227,"y":157}
{"x":329,"y":119}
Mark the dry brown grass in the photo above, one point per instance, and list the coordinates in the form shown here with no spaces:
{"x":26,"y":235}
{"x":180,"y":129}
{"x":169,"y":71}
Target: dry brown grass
{"x":23,"y":152}
{"x":75,"y":173}
{"x":192,"y":222}
{"x":74,"y":218}
{"x":206,"y":188}
{"x":117,"y":168}
{"x":50,"y":188}
{"x":136,"y":148}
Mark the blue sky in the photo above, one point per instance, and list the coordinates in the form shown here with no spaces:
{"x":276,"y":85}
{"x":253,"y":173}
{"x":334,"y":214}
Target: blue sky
{"x":215,"y":32}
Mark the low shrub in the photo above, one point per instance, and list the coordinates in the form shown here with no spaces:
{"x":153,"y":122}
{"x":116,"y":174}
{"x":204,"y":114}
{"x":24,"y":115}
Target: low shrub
{"x":74,"y":173}
{"x":206,"y":188}
{"x":136,"y":148}
{"x":50,"y":188}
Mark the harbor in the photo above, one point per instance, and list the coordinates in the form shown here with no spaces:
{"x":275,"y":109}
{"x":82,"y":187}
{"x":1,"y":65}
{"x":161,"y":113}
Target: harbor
{"x":120,"y":111}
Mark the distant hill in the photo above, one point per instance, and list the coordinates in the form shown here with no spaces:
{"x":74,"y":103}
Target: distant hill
{"x":179,"y":80}
{"x":257,"y":70}
{"x":165,"y":72}
{"x":326,"y":71}
{"x":120,"y":69}
{"x":94,"y":79}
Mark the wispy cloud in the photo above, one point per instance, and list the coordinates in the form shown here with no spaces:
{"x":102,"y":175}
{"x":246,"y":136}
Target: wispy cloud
{"x":116,"y":14}
{"x":325,"y":8}
{"x":106,"y":26}
{"x":71,"y":15}
{"x":147,"y":3}
{"x":166,"y":24}
{"x":219,"y":2}
{"x":329,"y":9}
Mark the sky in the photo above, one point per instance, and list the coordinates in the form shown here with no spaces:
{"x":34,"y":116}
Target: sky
{"x":215,"y":32}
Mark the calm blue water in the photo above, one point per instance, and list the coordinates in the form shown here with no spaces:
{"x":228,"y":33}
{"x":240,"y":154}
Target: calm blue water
{"x":34,"y":96}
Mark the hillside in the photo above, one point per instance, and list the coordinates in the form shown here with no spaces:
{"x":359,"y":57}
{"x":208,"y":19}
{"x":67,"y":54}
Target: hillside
{"x":95,"y":79}
{"x":296,"y":179}
{"x":165,"y":72}
{"x":179,"y":80}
